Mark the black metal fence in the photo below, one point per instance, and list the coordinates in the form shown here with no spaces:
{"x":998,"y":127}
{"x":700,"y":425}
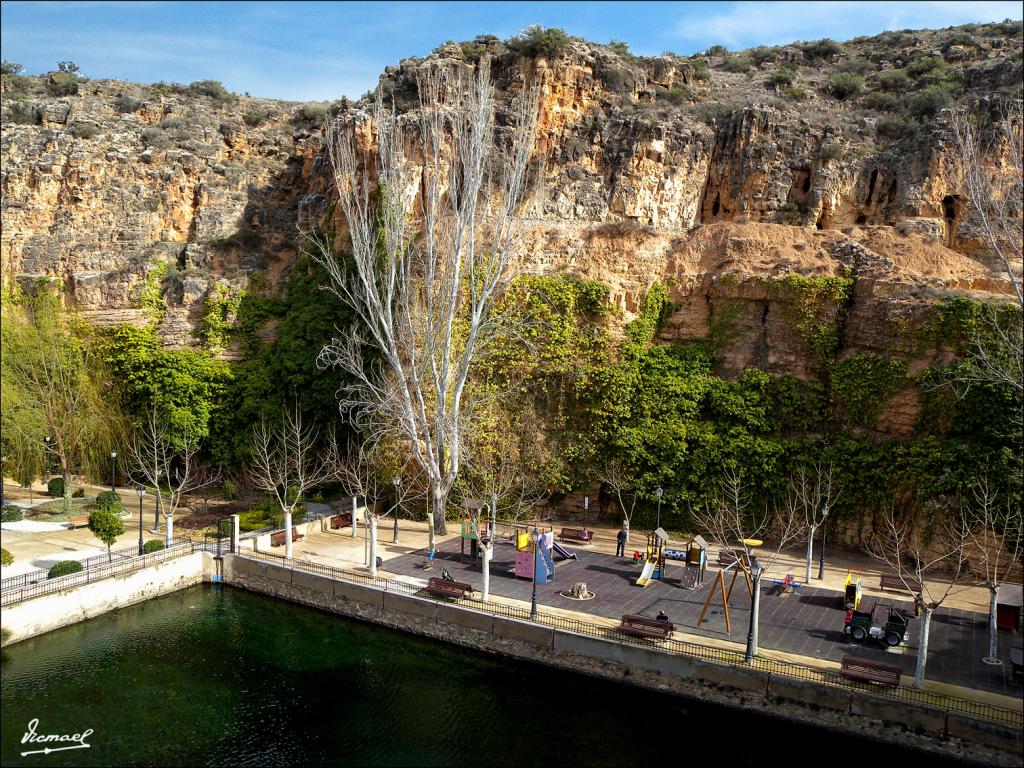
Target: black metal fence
{"x":98,"y":561}
{"x":830,"y":677}
{"x":17,"y":589}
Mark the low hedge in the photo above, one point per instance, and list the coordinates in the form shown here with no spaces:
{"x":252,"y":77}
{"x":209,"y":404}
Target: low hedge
{"x":55,"y":487}
{"x":153,"y":545}
{"x":63,"y":568}
{"x":11,"y":514}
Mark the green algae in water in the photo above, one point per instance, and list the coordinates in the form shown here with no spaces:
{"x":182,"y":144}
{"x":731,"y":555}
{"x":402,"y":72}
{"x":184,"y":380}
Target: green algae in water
{"x":204,"y":677}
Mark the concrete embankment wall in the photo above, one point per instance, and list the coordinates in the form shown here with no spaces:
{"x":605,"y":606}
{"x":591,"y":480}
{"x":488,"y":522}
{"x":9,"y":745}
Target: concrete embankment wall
{"x":59,"y":609}
{"x":765,"y":693}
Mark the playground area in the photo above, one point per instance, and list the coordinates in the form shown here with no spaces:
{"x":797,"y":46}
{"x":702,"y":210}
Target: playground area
{"x":795,"y":618}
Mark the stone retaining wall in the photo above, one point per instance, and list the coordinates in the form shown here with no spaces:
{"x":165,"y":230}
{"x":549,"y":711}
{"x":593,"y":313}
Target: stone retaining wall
{"x":59,"y":609}
{"x":850,"y":711}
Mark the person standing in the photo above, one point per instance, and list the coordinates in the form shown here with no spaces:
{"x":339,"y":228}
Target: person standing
{"x":620,"y":547}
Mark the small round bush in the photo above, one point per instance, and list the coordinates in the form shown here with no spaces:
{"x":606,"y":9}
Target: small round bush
{"x":55,"y":487}
{"x":153,"y":545}
{"x":78,"y":493}
{"x":11,"y":514}
{"x":63,"y":568}
{"x":845,"y":85}
{"x":229,"y":490}
{"x":6,"y":558}
{"x":107,"y":498}
{"x":893,"y":80}
{"x":896,"y":127}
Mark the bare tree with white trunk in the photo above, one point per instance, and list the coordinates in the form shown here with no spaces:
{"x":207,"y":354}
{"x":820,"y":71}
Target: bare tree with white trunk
{"x":733,"y":517}
{"x":158,"y":454}
{"x":433,"y":238}
{"x":617,"y":478}
{"x":366,"y":471}
{"x":995,"y":542}
{"x":913,"y":552}
{"x":500,"y":480}
{"x":814,"y":490}
{"x":287,"y":462}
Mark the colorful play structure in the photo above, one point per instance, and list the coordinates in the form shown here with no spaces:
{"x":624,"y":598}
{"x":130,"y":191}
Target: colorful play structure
{"x":693,"y":556}
{"x":853,"y":590}
{"x":536,"y":562}
{"x":474,"y":529}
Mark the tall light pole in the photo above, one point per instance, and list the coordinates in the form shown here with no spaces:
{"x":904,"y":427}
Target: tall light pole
{"x":659,"y":493}
{"x":396,"y":480}
{"x":141,"y":491}
{"x":113,"y":472}
{"x":46,"y":463}
{"x":755,"y":573}
{"x":156,"y":509}
{"x":535,"y":538}
{"x":821,"y":555}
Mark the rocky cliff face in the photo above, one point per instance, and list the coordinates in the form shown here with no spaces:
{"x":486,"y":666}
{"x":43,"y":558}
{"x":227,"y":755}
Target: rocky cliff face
{"x":667,"y":168}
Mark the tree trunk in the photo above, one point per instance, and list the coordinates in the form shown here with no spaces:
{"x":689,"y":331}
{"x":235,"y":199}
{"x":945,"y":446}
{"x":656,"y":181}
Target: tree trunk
{"x":439,"y":507}
{"x":993,"y":632}
{"x":66,"y":474}
{"x":170,"y":529}
{"x":353,"y":517}
{"x":922,"y":651}
{"x":810,"y":554}
{"x":625,"y":527}
{"x":288,"y":534}
{"x":110,"y":556}
{"x":755,"y":607}
{"x":487,"y":572}
{"x":373,"y":546}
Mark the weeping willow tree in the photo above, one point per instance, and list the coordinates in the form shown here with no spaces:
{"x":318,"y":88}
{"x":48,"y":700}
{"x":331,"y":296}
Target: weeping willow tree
{"x":431,"y":217}
{"x":56,"y":406}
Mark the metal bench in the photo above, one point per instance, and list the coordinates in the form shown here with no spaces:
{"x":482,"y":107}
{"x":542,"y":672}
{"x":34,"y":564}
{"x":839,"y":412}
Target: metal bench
{"x":277,"y":539}
{"x":869,"y":670}
{"x":645,"y":626}
{"x":444,"y":588}
{"x":576,"y":534}
{"x":895,"y":582}
{"x":341,"y":521}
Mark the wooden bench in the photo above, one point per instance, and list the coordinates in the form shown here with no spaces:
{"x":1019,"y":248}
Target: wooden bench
{"x":78,"y":521}
{"x":341,"y":521}
{"x":576,"y":534}
{"x":869,"y":670}
{"x":644,"y":626}
{"x":895,"y":582}
{"x":277,"y":539}
{"x":443,"y":588}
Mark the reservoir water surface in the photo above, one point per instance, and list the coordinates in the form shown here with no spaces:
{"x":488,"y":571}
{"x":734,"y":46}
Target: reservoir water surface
{"x":226,"y":677}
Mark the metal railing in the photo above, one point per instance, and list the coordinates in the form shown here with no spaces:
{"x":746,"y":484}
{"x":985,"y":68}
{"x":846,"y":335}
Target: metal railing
{"x":46,"y":586}
{"x":90,"y":563}
{"x":831,"y":677}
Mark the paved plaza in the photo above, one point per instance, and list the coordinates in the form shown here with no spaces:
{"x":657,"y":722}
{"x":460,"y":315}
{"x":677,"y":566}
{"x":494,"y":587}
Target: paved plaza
{"x":807,"y":622}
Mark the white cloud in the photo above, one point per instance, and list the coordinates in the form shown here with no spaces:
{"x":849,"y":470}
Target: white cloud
{"x":741,"y":25}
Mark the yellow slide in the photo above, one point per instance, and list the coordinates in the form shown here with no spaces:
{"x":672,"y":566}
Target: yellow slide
{"x":645,"y":575}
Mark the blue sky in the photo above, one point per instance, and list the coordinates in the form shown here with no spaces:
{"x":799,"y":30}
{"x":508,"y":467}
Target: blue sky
{"x":321,"y":51}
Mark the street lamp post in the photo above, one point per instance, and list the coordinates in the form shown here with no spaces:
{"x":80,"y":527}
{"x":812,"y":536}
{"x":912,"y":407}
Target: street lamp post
{"x":156,"y":508}
{"x":535,"y":538}
{"x":141,"y":491}
{"x":659,"y":493}
{"x":396,"y":480}
{"x":113,"y":472}
{"x":755,"y":573}
{"x":821,"y":555}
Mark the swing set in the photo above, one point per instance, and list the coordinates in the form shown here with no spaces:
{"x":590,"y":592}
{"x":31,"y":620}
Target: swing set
{"x":737,"y":562}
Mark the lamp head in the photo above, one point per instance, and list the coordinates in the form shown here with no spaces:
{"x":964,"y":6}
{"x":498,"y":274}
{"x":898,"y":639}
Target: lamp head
{"x":396,"y":480}
{"x":658,"y":492}
{"x":113,"y":454}
{"x":755,"y":569}
{"x":824,"y":512}
{"x":534,"y":535}
{"x":140,"y":489}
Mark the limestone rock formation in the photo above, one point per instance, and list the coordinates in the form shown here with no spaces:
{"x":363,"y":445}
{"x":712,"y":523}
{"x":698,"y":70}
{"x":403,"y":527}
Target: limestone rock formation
{"x":689,"y":170}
